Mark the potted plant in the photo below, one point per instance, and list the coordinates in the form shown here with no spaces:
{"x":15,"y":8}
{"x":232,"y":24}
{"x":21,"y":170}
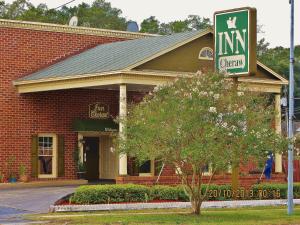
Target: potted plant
{"x":22,"y":173}
{"x":1,"y":177}
{"x":12,"y":178}
{"x":81,"y":170}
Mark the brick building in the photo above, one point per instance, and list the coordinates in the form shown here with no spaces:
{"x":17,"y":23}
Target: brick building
{"x":62,"y":86}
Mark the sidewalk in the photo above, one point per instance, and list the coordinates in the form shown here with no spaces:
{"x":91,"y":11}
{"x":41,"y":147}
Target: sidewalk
{"x":38,"y":184}
{"x":169,"y":205}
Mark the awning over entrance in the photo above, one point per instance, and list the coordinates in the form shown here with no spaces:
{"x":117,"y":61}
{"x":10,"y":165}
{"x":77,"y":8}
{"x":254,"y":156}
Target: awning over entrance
{"x":105,"y":125}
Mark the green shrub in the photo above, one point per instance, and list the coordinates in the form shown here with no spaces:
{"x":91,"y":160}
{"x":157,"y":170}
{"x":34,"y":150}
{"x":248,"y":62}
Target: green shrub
{"x":217,"y":192}
{"x":274,"y":191}
{"x":182,"y":195}
{"x":162,"y":192}
{"x":97,"y":194}
{"x":296,"y":190}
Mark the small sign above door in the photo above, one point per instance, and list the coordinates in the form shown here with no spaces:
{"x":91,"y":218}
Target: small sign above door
{"x":98,"y":111}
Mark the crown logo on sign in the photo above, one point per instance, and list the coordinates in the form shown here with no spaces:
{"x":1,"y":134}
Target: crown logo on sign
{"x":231,"y":23}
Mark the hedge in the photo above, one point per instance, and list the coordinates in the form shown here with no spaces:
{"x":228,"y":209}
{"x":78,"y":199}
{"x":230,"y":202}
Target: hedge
{"x":162,"y":192}
{"x":215,"y":192}
{"x":98,"y":194}
{"x":274,"y":191}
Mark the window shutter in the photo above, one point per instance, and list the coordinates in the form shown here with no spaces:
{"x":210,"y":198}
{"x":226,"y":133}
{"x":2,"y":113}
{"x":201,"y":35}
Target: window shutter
{"x":61,"y":156}
{"x":34,"y":156}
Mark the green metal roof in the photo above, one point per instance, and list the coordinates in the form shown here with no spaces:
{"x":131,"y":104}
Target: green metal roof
{"x":111,"y":57}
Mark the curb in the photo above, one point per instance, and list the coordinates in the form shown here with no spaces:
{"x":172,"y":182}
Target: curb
{"x":168,"y":205}
{"x":126,"y":206}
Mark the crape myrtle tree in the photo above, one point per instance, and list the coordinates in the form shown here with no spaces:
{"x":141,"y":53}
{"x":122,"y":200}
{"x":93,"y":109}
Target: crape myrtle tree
{"x":198,"y":121}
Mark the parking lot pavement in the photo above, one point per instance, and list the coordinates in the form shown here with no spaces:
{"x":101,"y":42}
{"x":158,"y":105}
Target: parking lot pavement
{"x":10,"y":215}
{"x":16,"y":203}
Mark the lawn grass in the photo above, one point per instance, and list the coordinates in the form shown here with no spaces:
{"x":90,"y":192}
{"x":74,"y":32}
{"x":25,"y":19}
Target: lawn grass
{"x":241,"y":216}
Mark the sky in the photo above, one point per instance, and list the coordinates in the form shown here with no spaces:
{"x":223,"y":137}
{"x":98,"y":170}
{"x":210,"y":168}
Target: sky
{"x":273,"y":15}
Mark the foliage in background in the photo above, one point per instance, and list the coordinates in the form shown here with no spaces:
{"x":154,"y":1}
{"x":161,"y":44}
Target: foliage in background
{"x":199,"y":121}
{"x":193,"y":22}
{"x":150,"y":25}
{"x":99,"y":14}
{"x":278,"y":60}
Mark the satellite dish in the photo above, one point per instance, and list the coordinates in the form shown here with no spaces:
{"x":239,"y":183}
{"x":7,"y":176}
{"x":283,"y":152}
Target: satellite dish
{"x":73,"y":21}
{"x":132,"y":26}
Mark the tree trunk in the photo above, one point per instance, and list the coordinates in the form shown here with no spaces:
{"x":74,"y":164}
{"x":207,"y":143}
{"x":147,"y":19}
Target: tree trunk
{"x":196,"y":205}
{"x":235,"y":180}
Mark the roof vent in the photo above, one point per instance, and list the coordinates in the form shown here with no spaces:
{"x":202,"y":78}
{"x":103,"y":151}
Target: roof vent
{"x":132,"y":26}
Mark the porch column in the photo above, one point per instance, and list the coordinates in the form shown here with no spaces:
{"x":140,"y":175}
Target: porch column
{"x":122,"y":114}
{"x":278,"y":156}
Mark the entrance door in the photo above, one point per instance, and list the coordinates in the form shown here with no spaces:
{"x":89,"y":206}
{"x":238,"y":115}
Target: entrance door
{"x":108,"y":159}
{"x":91,"y":151}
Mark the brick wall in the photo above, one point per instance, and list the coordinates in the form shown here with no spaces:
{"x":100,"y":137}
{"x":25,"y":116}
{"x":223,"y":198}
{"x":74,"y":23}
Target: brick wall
{"x":22,"y":52}
{"x":244,"y":181}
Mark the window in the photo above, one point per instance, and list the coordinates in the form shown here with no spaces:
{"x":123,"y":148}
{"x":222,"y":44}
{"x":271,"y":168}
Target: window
{"x":147,"y":168}
{"x":206,"y":53}
{"x":47,"y":147}
{"x":207,"y":170}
